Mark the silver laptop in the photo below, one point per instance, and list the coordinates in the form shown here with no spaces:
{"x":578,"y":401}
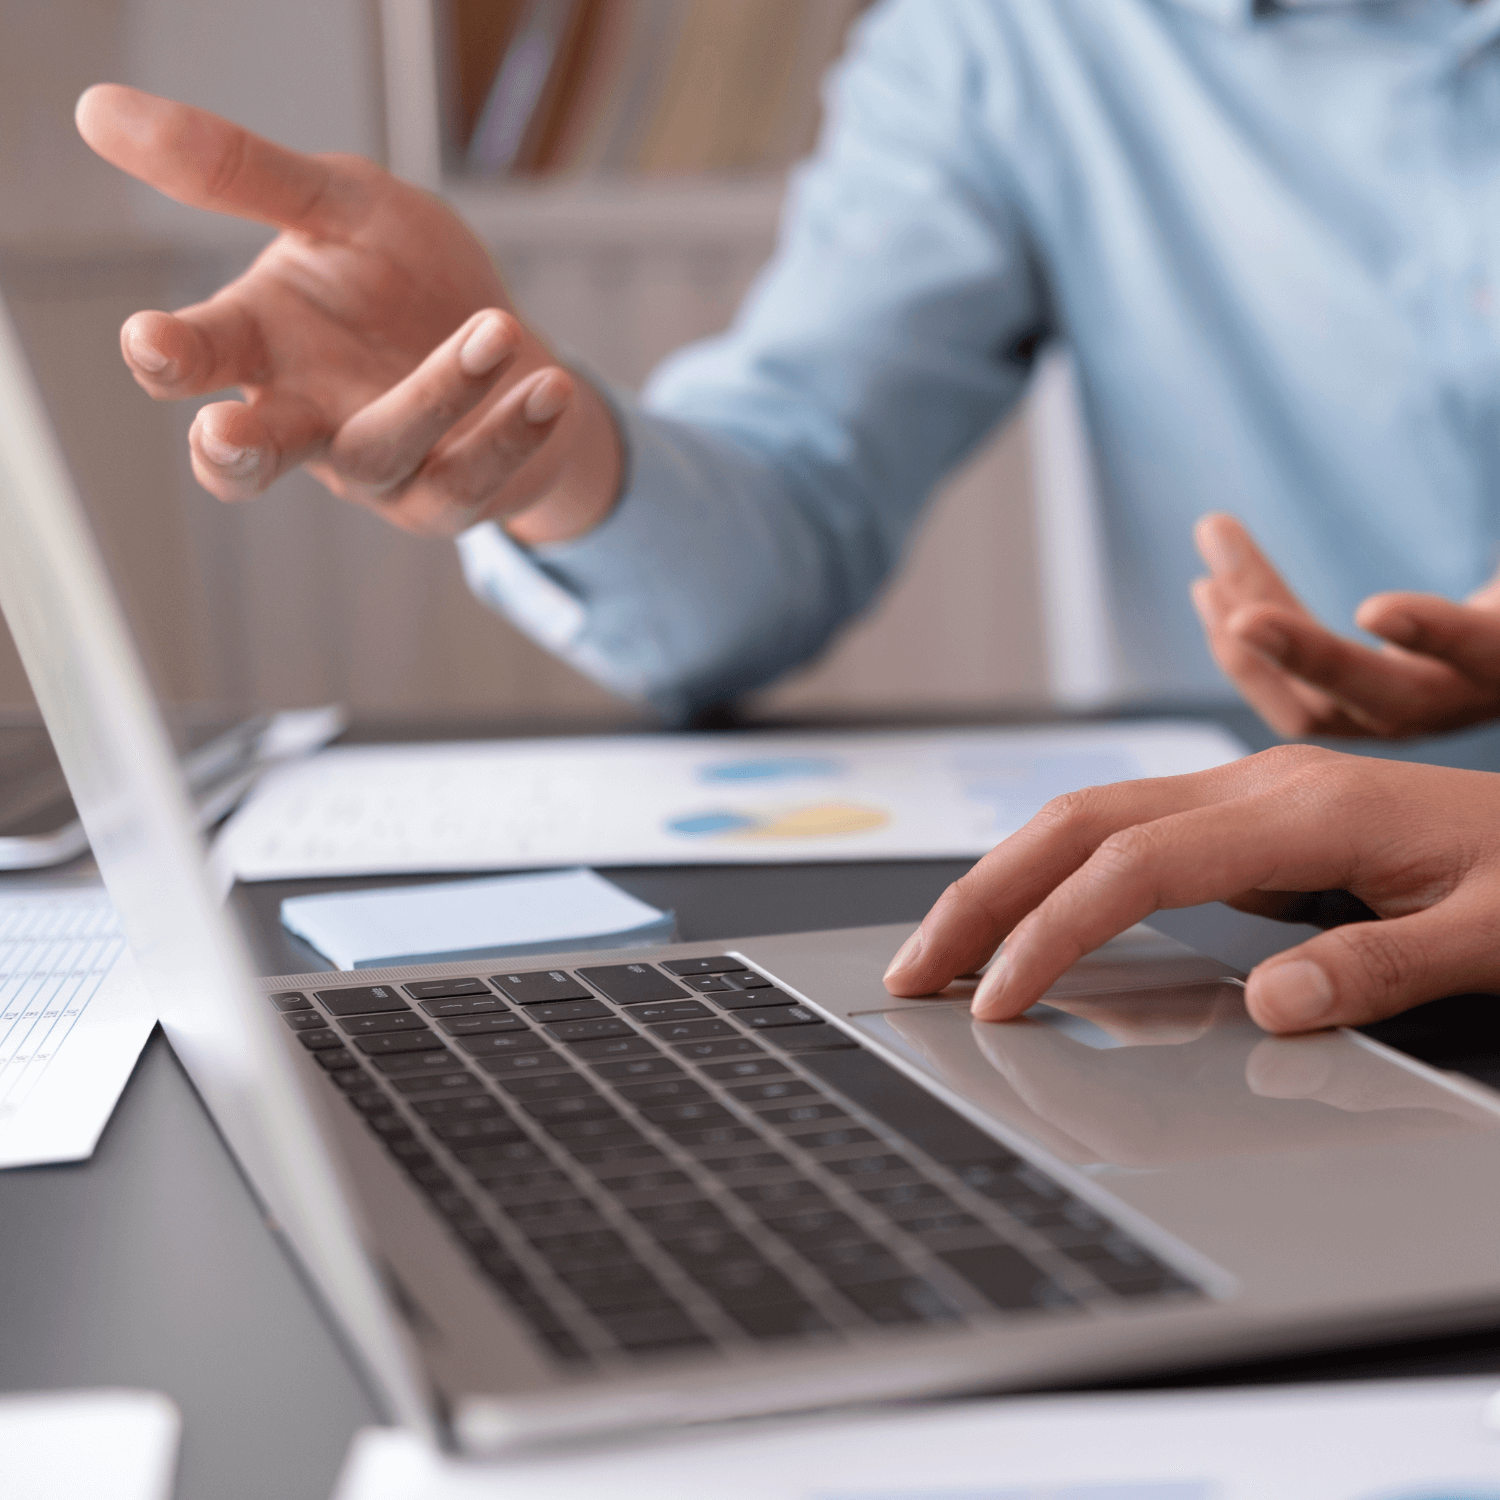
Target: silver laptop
{"x":610,"y":1191}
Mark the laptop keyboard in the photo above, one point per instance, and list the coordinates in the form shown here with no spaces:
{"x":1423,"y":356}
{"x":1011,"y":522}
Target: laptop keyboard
{"x":647,"y":1158}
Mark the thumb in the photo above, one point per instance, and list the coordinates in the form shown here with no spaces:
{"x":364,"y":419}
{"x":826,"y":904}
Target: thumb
{"x":1366,"y":971}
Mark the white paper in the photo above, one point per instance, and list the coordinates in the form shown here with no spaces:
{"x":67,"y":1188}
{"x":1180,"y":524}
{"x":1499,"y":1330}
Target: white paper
{"x":507,"y":914}
{"x":73,"y":1019}
{"x":1406,"y":1440}
{"x":683,"y":799}
{"x":87,"y":1445}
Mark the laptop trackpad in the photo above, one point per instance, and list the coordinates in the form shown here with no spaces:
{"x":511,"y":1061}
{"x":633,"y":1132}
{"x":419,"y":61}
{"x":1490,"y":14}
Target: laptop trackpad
{"x":1145,"y":1079}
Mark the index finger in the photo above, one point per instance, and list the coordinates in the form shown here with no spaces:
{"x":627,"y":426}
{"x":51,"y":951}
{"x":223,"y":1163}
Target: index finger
{"x":208,"y":162}
{"x":971,"y":917}
{"x":1238,"y":565}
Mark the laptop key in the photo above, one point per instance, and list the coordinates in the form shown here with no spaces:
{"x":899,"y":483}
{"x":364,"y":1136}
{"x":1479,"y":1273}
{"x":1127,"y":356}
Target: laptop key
{"x":810,"y":1113}
{"x":707,"y":984}
{"x":540,"y":985}
{"x":907,"y":1108}
{"x":303,"y":1020}
{"x":691,"y":1031}
{"x":750,"y":980}
{"x":780,"y":1320}
{"x":362,"y":1000}
{"x":613,"y":1130}
{"x":589,"y":1031}
{"x":1005,"y":1277}
{"x":638,"y":1067}
{"x":399,"y":1041}
{"x":404,"y":1020}
{"x":525,"y":1065}
{"x":835,"y":1139}
{"x":317,"y":1041}
{"x":656,"y":1089}
{"x":418,"y":1062}
{"x":712,"y":1137}
{"x":570,"y":1108}
{"x":670,"y":1010}
{"x":644,"y":1332}
{"x":612,"y":1157}
{"x":548,"y":1086}
{"x":906,"y":1299}
{"x":819,"y":1038}
{"x":458,"y":1107}
{"x":568,"y":1010}
{"x":630,"y":984}
{"x":431,"y":1082}
{"x":286,"y":1000}
{"x":443,"y":989}
{"x":482,"y":1024}
{"x":749,"y":1067}
{"x":338,"y":1061}
{"x":776,"y":1197}
{"x":502,"y":1043}
{"x":482,"y":1130}
{"x":717,"y":964}
{"x":692,"y":1113}
{"x":748,"y":999}
{"x":786,"y":1088}
{"x":616,"y":1046}
{"x":850,"y":1262}
{"x":730,"y":1046}
{"x":781,"y":1015}
{"x":680,"y":1220}
{"x":885,"y":1165}
{"x":476,"y":1005}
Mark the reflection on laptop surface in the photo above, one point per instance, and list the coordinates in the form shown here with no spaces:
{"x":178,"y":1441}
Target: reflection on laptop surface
{"x":736,"y":1178}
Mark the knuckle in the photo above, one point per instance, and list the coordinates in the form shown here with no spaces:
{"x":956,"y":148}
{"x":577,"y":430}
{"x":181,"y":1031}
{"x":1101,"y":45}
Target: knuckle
{"x":1072,"y":812}
{"x":1383,"y":961}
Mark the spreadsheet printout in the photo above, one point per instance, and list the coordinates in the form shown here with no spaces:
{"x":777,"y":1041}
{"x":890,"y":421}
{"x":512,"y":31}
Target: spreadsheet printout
{"x":73,"y":1019}
{"x":682,"y":799}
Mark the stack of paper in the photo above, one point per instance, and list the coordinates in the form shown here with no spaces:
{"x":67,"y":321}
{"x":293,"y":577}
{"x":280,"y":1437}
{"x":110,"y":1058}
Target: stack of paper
{"x":506,"y":916}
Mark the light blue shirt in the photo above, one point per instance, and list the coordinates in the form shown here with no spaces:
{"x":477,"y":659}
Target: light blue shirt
{"x":1270,"y":235}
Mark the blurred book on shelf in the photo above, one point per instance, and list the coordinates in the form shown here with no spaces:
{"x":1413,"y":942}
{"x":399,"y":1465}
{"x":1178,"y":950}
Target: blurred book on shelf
{"x":625,"y":88}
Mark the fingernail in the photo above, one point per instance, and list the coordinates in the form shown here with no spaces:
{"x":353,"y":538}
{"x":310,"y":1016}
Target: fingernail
{"x":986,"y":997}
{"x":222,"y":455}
{"x":485,"y":347}
{"x":906,"y":954}
{"x":147,"y":357}
{"x":1297,"y":993}
{"x":1218,"y":552}
{"x":546,"y":401}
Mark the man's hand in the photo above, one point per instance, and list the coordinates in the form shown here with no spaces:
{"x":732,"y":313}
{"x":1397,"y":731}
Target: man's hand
{"x":1419,"y":845}
{"x":1441,"y":670}
{"x":372,"y":340}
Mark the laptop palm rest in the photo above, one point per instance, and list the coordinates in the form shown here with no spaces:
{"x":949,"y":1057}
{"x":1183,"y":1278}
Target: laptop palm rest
{"x":1145,"y":1080}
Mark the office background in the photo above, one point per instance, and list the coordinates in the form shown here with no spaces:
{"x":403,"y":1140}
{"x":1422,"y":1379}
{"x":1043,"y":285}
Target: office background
{"x":298,"y":598}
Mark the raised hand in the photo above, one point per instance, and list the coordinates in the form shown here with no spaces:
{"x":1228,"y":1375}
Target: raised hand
{"x":1440,"y":670}
{"x":372,"y":340}
{"x":1419,"y":845}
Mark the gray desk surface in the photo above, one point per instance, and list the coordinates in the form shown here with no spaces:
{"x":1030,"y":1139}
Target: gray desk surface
{"x":149,"y":1266}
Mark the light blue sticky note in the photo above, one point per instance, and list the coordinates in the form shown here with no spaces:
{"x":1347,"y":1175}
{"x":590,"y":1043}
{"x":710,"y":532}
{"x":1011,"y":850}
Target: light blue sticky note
{"x":451,"y":921}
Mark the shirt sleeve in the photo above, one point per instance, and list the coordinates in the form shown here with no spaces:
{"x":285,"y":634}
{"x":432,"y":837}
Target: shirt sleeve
{"x":774,"y":472}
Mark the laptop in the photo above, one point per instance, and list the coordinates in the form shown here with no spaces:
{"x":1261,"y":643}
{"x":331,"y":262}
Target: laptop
{"x":605,"y":1192}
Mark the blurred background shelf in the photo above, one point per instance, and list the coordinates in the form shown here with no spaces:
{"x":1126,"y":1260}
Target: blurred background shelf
{"x":299,"y":598}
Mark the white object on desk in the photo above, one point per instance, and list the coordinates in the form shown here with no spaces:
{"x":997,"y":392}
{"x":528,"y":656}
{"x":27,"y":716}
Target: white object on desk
{"x":1416,"y":1440}
{"x":88,"y":1445}
{"x":73,"y":1019}
{"x":684,"y":799}
{"x":506,"y":915}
